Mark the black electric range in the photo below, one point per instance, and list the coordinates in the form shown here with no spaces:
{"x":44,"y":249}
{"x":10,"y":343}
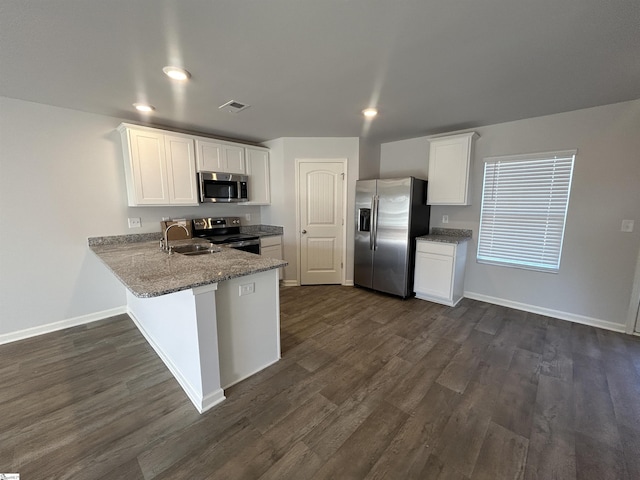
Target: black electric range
{"x":225,"y":231}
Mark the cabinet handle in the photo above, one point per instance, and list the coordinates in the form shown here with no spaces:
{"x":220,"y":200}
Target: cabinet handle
{"x":304,"y":231}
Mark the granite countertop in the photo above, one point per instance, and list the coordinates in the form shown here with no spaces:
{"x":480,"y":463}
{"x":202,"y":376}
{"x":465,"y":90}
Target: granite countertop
{"x":147,"y":271}
{"x":262,"y":233}
{"x":262,"y":230}
{"x":447,"y":235}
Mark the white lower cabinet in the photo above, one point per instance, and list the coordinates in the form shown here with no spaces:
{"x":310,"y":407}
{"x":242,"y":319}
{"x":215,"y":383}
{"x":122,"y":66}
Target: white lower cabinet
{"x":272,"y":247}
{"x":439,"y":272}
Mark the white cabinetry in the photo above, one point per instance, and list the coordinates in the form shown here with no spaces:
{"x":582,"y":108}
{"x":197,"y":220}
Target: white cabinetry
{"x":439,"y":272}
{"x":159,"y":167}
{"x":257,"y":161}
{"x":450,"y":169}
{"x":272,"y":247}
{"x":219,"y":157}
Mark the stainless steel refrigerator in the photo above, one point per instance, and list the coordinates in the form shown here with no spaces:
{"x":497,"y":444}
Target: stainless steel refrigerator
{"x":390,"y":214}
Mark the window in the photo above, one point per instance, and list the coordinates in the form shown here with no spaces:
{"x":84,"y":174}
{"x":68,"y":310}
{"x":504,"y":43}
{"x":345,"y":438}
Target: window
{"x":524,"y":208}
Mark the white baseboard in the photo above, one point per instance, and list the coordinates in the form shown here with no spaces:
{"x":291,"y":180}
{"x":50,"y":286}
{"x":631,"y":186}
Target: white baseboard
{"x":61,"y":325}
{"x":201,"y":403}
{"x":211,"y":400}
{"x":295,"y":283}
{"x":571,"y":317}
{"x":259,"y":369}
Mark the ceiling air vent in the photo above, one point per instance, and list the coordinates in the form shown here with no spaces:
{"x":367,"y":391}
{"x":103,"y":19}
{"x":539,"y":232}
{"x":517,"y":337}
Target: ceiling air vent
{"x":233,"y":107}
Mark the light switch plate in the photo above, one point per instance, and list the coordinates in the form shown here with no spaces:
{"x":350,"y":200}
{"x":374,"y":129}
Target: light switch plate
{"x":627,"y":226}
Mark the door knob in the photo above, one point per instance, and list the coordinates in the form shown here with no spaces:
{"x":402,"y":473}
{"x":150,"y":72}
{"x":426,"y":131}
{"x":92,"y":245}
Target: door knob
{"x":304,"y":231}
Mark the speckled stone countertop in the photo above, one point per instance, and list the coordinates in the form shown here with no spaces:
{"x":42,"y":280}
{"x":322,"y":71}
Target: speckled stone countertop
{"x":447,"y":235}
{"x":147,"y":271}
{"x":262,"y":230}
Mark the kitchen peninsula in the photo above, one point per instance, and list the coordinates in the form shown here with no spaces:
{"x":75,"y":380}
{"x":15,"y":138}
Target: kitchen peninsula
{"x":214,"y":319}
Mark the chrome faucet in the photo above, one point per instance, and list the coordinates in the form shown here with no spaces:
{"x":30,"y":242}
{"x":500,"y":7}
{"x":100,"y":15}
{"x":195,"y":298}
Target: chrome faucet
{"x":164,"y":243}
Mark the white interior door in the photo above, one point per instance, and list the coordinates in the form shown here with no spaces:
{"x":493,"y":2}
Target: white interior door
{"x":321,"y":219}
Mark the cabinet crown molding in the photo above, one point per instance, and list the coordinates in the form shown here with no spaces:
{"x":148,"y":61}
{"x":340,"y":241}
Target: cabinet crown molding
{"x":192,"y":134}
{"x":446,"y":136}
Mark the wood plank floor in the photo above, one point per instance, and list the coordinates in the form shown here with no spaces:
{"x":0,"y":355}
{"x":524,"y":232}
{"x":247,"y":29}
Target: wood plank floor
{"x":369,"y":387}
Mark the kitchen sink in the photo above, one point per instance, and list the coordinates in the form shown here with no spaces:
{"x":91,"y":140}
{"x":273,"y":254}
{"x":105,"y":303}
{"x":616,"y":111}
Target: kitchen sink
{"x":196,"y":249}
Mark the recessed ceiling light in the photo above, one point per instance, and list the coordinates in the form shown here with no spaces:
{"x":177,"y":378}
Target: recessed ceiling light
{"x":370,"y":112}
{"x":144,"y":107}
{"x":176,"y":73}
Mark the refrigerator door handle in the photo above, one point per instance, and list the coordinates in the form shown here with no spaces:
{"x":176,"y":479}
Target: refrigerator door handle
{"x":374,"y":223}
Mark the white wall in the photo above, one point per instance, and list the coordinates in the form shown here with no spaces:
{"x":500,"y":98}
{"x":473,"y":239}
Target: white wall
{"x":405,"y":157}
{"x":598,"y":260}
{"x":282,"y":211}
{"x":62,"y":181}
{"x":369,"y":159}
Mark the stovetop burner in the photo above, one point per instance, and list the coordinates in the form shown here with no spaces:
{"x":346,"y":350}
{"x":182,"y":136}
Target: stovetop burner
{"x":221,"y":230}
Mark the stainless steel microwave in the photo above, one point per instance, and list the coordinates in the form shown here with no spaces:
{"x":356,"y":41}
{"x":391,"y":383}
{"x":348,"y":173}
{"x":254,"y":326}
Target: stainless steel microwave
{"x":222,"y":187}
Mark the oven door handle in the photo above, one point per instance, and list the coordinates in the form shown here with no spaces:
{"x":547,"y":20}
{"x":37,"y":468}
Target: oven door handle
{"x":243,"y":243}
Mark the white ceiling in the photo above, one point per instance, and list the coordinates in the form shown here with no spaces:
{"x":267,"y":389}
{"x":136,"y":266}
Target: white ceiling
{"x":308,"y":67}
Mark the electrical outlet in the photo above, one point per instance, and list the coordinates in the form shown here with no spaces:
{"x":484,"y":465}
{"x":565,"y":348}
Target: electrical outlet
{"x":445,"y":218}
{"x":627,"y":226}
{"x":247,"y":217}
{"x":247,"y":289}
{"x":135,"y":222}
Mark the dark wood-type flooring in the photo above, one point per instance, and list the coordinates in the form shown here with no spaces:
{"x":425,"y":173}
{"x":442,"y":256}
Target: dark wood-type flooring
{"x":369,"y":387}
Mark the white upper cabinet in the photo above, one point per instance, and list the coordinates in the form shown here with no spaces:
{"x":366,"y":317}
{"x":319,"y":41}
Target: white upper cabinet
{"x":257,"y":160}
{"x":209,"y":156}
{"x":159,"y":167}
{"x":234,"y":156}
{"x":219,"y":157}
{"x":450,"y":169}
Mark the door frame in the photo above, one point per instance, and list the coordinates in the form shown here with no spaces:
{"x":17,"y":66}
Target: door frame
{"x":633,"y":317}
{"x":345,"y":169}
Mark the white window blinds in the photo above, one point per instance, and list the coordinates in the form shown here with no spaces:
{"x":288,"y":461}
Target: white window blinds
{"x":524,"y":208}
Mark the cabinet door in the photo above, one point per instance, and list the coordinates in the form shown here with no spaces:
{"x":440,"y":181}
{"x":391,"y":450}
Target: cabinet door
{"x":271,"y":247}
{"x":233,"y":159}
{"x":433,"y":275}
{"x":181,"y":170}
{"x":210,"y":156}
{"x":148,"y":166}
{"x":259,"y":179}
{"x":449,"y":168}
